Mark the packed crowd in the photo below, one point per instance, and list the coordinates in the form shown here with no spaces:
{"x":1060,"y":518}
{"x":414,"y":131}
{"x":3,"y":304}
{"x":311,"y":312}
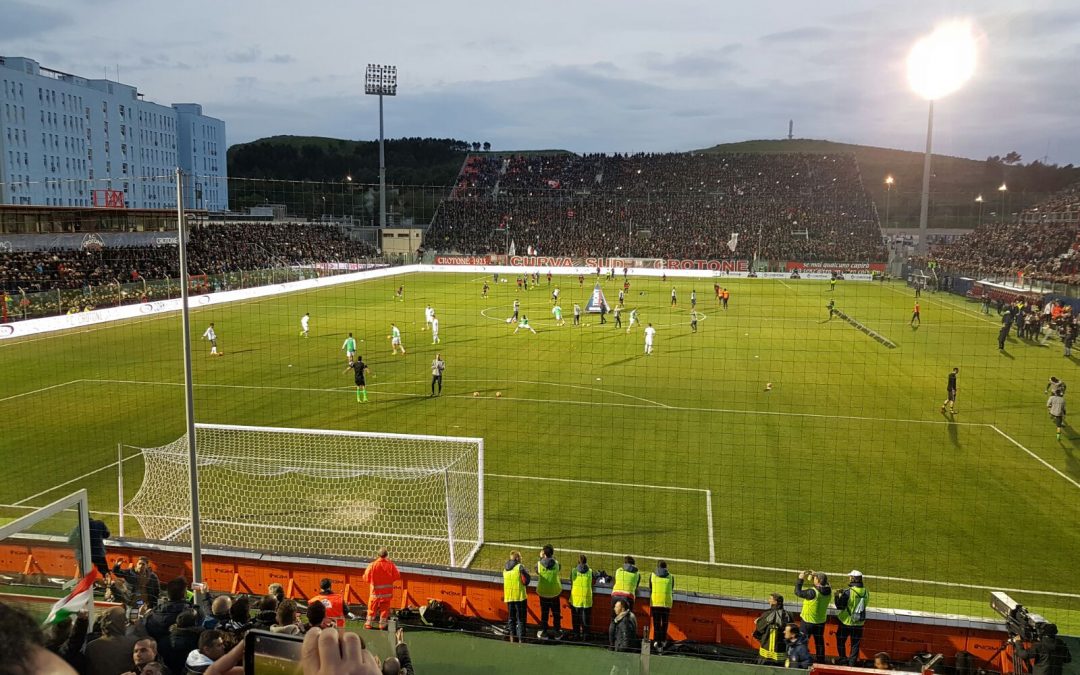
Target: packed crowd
{"x":784,"y":206}
{"x":1037,"y":244}
{"x":212,"y":249}
{"x":161,"y":629}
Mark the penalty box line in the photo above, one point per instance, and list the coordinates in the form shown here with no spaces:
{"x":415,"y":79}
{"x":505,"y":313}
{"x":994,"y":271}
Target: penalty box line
{"x":766,"y":568}
{"x":675,"y":488}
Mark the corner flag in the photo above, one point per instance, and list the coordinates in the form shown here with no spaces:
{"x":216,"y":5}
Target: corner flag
{"x":597,"y":300}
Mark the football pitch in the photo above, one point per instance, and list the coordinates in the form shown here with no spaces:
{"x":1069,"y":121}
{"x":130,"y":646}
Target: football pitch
{"x":595,"y":447}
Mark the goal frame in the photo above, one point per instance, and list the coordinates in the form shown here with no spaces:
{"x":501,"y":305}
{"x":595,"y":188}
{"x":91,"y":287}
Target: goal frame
{"x":476,"y":442}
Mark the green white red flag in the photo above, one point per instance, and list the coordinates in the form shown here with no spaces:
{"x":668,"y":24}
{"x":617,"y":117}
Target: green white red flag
{"x":80,"y":598}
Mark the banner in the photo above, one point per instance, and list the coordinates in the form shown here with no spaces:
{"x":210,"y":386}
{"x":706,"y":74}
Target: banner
{"x":88,"y":241}
{"x":619,"y":263}
{"x":462,"y":260}
{"x":863,"y":267}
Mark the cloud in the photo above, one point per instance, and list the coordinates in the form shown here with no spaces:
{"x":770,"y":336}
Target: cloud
{"x":281,"y":58}
{"x":249,"y":55}
{"x":805,"y":35}
{"x":22,"y":20}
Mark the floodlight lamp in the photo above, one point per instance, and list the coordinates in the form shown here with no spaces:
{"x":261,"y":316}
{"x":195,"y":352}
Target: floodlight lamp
{"x":1002,"y":188}
{"x":941,"y":62}
{"x":889,"y":180}
{"x":380,"y":80}
{"x":979,"y":199}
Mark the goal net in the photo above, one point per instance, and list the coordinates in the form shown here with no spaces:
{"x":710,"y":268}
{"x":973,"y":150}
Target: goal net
{"x":312,"y":491}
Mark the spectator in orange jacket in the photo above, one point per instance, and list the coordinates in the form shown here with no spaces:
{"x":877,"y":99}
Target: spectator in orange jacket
{"x":334,"y":603}
{"x":380,"y":575}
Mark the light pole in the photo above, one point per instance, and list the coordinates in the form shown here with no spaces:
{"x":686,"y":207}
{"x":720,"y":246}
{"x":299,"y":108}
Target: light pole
{"x":888,"y":197}
{"x":1002,"y":189}
{"x":938,"y":65}
{"x":381,"y":81}
{"x":979,"y":201}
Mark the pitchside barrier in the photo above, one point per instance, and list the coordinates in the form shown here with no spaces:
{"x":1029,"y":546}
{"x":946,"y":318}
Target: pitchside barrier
{"x":99,"y":316}
{"x":697,"y":618}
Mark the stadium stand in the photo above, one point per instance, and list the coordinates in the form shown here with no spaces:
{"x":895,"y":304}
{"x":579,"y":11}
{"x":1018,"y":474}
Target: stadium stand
{"x":215,"y":249}
{"x":1042,"y":243}
{"x":784,"y":206}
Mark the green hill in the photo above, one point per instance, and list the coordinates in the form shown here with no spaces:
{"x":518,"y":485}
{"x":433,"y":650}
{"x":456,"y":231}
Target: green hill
{"x":955,"y":182}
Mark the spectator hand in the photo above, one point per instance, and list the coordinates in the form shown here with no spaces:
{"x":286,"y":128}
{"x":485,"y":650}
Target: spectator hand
{"x":329,"y":652}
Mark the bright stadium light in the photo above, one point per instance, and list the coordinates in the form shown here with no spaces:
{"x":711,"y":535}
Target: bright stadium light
{"x":939,"y":64}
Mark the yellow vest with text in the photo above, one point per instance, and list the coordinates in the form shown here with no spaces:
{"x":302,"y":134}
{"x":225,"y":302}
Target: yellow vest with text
{"x":816,"y":610}
{"x":547,"y":581}
{"x":513,"y":589}
{"x":857,"y":601}
{"x":661,"y":589}
{"x":581,"y":588}
{"x":626,"y":582}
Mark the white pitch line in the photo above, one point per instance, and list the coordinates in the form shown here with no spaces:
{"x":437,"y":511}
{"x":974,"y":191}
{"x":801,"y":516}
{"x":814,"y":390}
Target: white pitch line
{"x":69,"y":482}
{"x":653,"y":406}
{"x":71,"y":510}
{"x":1048,"y":465}
{"x":763,"y":568}
{"x":708,"y":514}
{"x":946,"y":305}
{"x":38,"y":391}
{"x":596,"y":482}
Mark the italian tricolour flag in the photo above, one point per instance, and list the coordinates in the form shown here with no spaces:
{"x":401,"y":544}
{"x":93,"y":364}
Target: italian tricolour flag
{"x":80,"y":598}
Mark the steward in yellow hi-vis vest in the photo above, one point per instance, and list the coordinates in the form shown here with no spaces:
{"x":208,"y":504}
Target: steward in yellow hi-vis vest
{"x":852,"y":603}
{"x":582,"y":579}
{"x":627,"y":579}
{"x":549,"y":588}
{"x":661,"y":597}
{"x":515,"y":585}
{"x":815,"y":609}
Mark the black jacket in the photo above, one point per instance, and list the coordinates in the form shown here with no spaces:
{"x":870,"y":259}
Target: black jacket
{"x":174,"y":649}
{"x":622,"y":633}
{"x":159,"y":621}
{"x":1049,"y":654}
{"x":769,"y":631}
{"x":798,"y":654}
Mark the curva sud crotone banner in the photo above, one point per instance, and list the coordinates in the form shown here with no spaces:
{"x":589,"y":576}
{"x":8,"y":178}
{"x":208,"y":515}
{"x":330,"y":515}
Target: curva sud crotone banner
{"x":843,"y":267}
{"x":604,"y":263}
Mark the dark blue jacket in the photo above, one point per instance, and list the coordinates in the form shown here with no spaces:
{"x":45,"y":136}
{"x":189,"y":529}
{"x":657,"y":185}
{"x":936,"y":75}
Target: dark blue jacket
{"x":797,"y":653}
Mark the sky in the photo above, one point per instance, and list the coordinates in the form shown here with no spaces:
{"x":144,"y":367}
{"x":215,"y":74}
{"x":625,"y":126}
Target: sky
{"x":587,"y":76}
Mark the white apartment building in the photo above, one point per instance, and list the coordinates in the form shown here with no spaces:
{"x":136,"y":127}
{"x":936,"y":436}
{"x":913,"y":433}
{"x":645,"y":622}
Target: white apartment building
{"x":65,"y":138}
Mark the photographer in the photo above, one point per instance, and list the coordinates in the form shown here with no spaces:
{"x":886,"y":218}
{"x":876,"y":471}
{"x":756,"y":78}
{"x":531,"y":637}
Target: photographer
{"x":815,"y":608}
{"x":1050,"y":654}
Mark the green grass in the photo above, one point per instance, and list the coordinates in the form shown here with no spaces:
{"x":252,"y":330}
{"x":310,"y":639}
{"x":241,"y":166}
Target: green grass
{"x":846,"y":463}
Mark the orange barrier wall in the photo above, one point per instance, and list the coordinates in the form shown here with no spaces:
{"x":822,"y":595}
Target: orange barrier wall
{"x":706,"y":619}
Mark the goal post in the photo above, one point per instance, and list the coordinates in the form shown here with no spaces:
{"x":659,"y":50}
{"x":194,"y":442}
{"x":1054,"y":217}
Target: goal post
{"x":320,"y":491}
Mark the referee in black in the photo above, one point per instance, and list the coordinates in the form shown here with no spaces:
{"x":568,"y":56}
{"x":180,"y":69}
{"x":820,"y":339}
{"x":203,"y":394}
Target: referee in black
{"x":950,"y":390}
{"x":437,"y":368}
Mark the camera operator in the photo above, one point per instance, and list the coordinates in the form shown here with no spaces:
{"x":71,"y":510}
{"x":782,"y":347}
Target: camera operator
{"x":1050,"y":654}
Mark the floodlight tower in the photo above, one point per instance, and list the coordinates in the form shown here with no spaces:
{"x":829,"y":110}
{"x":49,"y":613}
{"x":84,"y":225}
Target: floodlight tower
{"x":381,"y":81}
{"x":939,"y":64}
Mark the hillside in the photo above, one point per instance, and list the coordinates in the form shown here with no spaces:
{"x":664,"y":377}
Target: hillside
{"x":955,"y":183}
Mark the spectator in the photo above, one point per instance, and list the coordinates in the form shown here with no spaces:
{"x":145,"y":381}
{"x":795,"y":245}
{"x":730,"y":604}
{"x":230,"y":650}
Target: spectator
{"x":549,"y":588}
{"x":265,"y":613}
{"x":239,"y":620}
{"x":287,"y":620}
{"x":211,"y":647}
{"x":24,"y":650}
{"x":769,"y":631}
{"x":316,"y":617}
{"x":400,"y":663}
{"x":582,"y":580}
{"x":882,"y":661}
{"x":219,"y":612}
{"x":144,"y":653}
{"x":380,"y":576}
{"x":334,"y":603}
{"x":142,"y":583}
{"x":111,"y":653}
{"x":162,"y":617}
{"x":67,"y":639}
{"x":622,"y":633}
{"x":798,"y":655}
{"x":183,"y":637}
{"x":276,"y":590}
{"x":851,"y":603}
{"x":661,"y":598}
